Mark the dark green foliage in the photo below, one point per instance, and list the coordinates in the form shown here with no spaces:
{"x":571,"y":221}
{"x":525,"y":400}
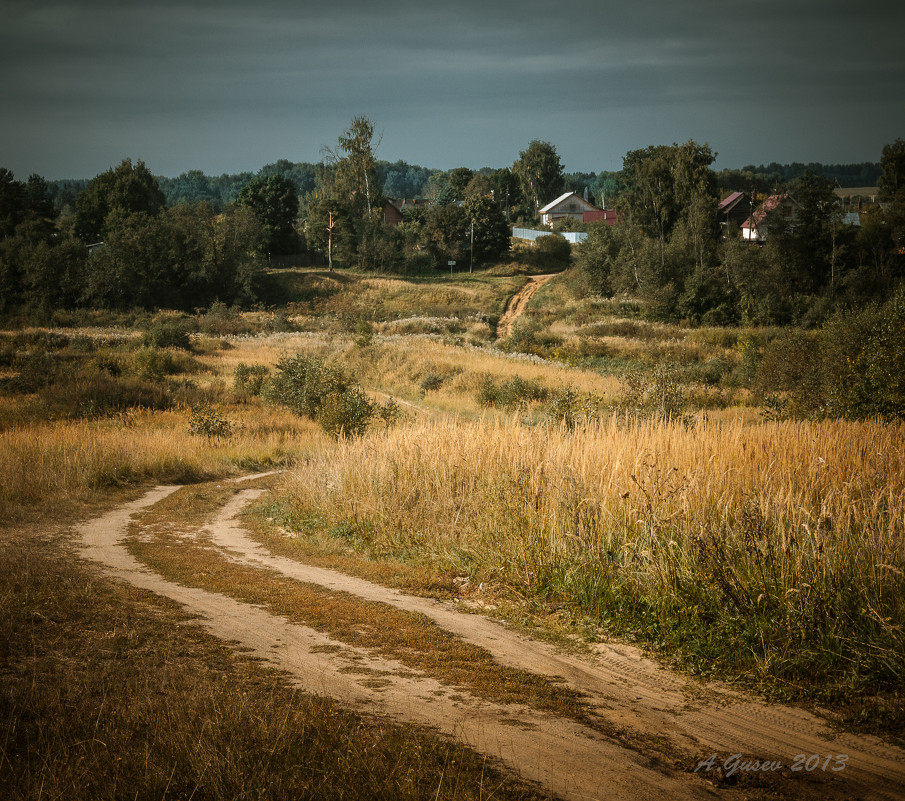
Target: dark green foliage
{"x":123,"y":191}
{"x":852,"y":368}
{"x":275,"y":204}
{"x":444,"y":234}
{"x":540,"y":174}
{"x":401,"y":180}
{"x":489,"y":234}
{"x":551,"y":252}
{"x":379,"y":246}
{"x":323,"y":392}
{"x":169,"y":333}
{"x":459,"y":178}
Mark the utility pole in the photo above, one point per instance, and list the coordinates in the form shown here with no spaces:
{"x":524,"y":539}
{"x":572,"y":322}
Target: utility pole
{"x":471,"y":249}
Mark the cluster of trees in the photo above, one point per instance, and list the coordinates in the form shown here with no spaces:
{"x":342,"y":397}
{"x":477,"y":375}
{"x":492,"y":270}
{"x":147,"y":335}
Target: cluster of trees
{"x":669,"y":249}
{"x":123,"y":247}
{"x":465,"y":220}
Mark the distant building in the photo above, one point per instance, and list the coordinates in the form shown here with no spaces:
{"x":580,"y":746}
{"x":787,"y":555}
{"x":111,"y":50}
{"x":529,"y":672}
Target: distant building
{"x":567,"y":205}
{"x":755,"y":228}
{"x":391,"y":213}
{"x":733,"y":211}
{"x":609,"y":216}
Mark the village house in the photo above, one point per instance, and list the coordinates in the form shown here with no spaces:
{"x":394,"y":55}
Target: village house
{"x":567,"y":205}
{"x":733,"y":212}
{"x":755,"y":228}
{"x":609,"y":216}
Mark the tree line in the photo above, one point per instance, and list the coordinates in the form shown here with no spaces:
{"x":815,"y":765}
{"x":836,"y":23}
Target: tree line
{"x":670,"y":249}
{"x":127,"y":238}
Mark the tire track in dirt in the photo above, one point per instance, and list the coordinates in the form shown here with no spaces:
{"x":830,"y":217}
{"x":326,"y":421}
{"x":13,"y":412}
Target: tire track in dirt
{"x":627,"y":691}
{"x":517,"y":304}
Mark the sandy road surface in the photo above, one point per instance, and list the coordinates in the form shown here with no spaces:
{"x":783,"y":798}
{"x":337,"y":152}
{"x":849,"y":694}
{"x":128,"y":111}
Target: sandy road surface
{"x":517,"y":303}
{"x":650,"y":710}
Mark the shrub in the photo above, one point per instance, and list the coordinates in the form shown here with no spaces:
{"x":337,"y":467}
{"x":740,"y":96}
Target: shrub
{"x":206,"y":421}
{"x":323,"y":392}
{"x":364,"y":333}
{"x":221,"y":320}
{"x":250,"y":379}
{"x":167,"y":334}
{"x":863,"y":358}
{"x":152,"y":364}
{"x":510,"y":394}
{"x":346,"y":413}
{"x":97,"y":394}
{"x":654,"y":394}
{"x":432,"y":382}
{"x":572,"y":408}
{"x":552,"y":252}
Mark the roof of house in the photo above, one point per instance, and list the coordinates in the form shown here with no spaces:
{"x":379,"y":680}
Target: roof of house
{"x":562,"y":198}
{"x":765,"y":208}
{"x":728,"y":203}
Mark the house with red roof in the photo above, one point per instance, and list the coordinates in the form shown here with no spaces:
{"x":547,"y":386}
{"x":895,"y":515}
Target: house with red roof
{"x":783,"y":207}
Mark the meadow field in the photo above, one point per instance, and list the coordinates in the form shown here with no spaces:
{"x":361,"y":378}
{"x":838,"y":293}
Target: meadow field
{"x":594,"y":477}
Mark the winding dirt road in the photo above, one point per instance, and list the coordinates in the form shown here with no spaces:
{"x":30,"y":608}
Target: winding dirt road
{"x":650,"y":713}
{"x":517,"y":304}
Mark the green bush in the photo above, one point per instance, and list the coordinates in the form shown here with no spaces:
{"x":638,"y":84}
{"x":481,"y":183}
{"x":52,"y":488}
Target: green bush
{"x":250,"y":379}
{"x":553,"y":252}
{"x":167,"y":334}
{"x":572,"y":408}
{"x":324,"y":392}
{"x":852,"y":368}
{"x":220,"y":320}
{"x":346,"y":413}
{"x":152,"y":364}
{"x":864,"y":362}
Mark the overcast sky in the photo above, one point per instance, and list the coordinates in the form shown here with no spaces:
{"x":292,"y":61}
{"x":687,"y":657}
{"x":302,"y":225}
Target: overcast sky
{"x":227,"y":85}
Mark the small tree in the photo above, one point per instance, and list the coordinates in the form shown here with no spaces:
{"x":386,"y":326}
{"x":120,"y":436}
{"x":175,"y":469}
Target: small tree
{"x":488,"y":231}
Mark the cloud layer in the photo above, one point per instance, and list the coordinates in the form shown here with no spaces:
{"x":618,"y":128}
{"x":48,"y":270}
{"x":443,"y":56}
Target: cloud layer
{"x":226,"y":86}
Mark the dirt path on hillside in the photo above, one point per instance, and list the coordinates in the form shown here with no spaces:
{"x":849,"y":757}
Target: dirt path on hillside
{"x":517,"y":304}
{"x":650,"y":711}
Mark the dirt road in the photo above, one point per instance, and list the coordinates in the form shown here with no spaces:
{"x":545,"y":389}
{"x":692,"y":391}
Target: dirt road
{"x":517,"y":304}
{"x":650,"y":714}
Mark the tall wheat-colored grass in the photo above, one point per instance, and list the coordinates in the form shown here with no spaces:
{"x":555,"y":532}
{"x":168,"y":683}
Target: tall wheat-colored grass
{"x":45,"y":463}
{"x":795,"y":527}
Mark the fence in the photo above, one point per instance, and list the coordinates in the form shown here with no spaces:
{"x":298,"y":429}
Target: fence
{"x":530,"y":234}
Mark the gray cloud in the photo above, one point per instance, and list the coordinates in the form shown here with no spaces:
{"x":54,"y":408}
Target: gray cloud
{"x":224,"y":86}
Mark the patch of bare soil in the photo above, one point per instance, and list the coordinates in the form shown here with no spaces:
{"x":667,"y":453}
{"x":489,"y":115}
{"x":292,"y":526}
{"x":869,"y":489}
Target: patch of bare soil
{"x":651,"y":712}
{"x":518,"y":303}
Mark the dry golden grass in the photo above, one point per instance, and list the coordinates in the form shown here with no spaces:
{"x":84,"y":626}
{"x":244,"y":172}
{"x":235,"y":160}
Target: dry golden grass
{"x":46,"y":464}
{"x":783,"y":538}
{"x":849,"y":475}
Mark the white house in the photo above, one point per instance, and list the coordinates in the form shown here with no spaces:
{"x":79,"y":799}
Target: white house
{"x":754,"y":229}
{"x":568,"y":205}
